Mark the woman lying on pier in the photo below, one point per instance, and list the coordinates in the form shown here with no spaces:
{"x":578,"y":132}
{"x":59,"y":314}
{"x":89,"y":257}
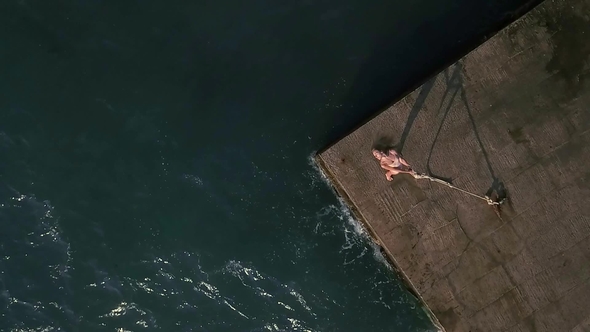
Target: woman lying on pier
{"x":393,"y":163}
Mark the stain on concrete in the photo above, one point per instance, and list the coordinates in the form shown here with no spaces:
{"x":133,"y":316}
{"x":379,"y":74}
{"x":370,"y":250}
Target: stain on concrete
{"x":530,"y":323}
{"x":517,"y":135}
{"x":448,"y":318}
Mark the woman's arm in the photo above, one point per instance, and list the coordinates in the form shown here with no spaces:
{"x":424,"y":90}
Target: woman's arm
{"x":399,"y":157}
{"x":395,"y":170}
{"x":404,"y":162}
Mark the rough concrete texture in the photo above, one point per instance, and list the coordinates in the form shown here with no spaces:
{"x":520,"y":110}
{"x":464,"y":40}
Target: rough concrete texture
{"x":512,"y":115}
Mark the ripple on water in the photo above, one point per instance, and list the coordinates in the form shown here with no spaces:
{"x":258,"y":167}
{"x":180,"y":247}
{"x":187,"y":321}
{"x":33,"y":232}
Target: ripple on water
{"x":35,"y":265}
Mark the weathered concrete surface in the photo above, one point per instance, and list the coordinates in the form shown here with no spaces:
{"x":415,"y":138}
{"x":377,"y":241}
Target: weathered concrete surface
{"x":515,"y":112}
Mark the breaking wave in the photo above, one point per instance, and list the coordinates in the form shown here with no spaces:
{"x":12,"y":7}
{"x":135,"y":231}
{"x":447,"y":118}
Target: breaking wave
{"x":355,"y":234}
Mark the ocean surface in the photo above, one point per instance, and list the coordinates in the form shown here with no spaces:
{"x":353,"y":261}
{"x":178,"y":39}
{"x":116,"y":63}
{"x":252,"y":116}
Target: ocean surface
{"x":156,"y":167}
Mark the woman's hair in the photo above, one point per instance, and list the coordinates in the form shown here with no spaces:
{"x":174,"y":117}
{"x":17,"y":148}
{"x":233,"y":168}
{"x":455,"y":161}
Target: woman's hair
{"x":383,"y":144}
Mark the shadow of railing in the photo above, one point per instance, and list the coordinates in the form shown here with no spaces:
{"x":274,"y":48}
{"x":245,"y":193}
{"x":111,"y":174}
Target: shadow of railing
{"x":454,"y":89}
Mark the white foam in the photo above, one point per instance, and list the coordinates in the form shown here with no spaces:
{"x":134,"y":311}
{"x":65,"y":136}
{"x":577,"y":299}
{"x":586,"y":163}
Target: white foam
{"x":142,"y":323}
{"x":261,"y":292}
{"x":297,"y":325}
{"x":241,"y":272}
{"x":234,"y":309}
{"x":144,"y":285}
{"x":356,"y":235}
{"x":213,"y":293}
{"x":248,"y":276}
{"x":193,"y":179}
{"x":272,"y":327}
{"x":123,"y":308}
{"x":38,"y":329}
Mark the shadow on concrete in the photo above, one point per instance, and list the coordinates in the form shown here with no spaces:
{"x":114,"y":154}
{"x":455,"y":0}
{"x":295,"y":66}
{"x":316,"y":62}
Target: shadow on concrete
{"x":390,"y":72}
{"x":424,"y":92}
{"x":384,"y":143}
{"x":455,"y":88}
{"x":569,"y":33}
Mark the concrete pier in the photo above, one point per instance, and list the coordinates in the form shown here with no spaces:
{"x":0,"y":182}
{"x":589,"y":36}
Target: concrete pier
{"x":512,"y":116}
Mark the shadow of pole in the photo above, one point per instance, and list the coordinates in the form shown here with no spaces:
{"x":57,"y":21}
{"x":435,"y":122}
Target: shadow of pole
{"x":424,"y":92}
{"x":450,"y":85}
{"x":456,"y":85}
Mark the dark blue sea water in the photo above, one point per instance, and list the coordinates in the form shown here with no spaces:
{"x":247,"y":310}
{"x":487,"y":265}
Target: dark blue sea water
{"x":156,"y":165}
